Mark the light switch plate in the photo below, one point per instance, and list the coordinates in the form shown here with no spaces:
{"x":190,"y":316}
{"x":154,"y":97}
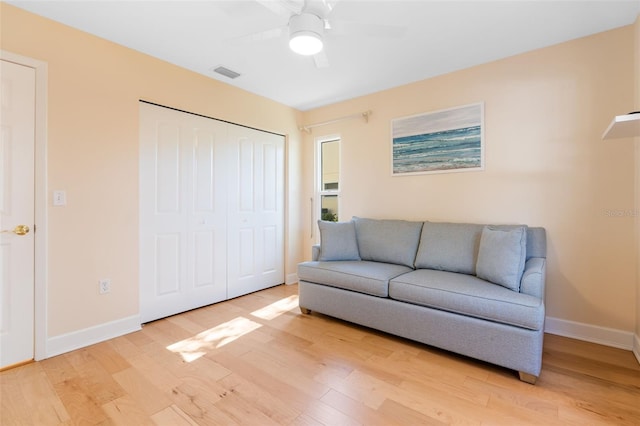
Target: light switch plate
{"x":59,"y":198}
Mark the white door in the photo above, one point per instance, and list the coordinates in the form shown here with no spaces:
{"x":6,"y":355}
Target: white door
{"x":256,"y":211}
{"x":183,"y":255}
{"x":17,"y":144}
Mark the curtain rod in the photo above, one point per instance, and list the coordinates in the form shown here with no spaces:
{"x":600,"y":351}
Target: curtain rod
{"x":364,"y":115}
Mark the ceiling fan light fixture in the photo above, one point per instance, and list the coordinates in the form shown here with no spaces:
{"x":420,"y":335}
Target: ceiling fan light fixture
{"x":306,"y":32}
{"x":305,"y":43}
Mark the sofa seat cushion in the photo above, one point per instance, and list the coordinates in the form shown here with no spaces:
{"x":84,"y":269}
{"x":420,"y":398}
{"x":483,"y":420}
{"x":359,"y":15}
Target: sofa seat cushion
{"x":361,"y":276}
{"x":468,"y":295}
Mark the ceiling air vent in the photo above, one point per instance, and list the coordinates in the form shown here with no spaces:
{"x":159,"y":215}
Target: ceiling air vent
{"x":226,"y":72}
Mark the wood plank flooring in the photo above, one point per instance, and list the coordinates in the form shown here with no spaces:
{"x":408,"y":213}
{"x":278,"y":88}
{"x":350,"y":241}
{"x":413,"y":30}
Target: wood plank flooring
{"x":256,"y":360}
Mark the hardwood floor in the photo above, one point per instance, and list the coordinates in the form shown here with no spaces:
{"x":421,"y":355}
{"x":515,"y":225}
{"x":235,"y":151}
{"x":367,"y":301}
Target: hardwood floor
{"x":256,"y":360}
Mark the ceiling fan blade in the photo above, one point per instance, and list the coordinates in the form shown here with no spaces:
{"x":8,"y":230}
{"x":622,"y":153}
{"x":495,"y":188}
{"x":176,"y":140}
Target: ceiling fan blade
{"x":321,"y":59}
{"x":283,"y":7}
{"x":321,"y":8}
{"x":365,"y":29}
{"x":259,"y":36}
{"x":330,"y":4}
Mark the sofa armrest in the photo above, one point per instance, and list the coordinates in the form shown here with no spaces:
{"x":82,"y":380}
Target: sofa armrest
{"x":315,"y":252}
{"x":534,"y":276}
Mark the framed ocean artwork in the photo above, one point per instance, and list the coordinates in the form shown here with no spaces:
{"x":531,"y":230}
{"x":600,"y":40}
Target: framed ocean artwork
{"x":450,"y":140}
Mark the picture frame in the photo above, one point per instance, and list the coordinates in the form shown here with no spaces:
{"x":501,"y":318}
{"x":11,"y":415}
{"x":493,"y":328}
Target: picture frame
{"x":444,"y":141}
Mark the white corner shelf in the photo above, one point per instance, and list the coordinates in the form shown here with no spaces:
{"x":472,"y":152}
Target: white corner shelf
{"x":623,"y":126}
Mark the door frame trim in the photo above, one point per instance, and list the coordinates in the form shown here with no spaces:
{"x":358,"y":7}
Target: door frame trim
{"x":40,"y":198}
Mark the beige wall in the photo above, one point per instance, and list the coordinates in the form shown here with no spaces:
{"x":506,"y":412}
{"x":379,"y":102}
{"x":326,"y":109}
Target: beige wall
{"x":546,"y":165}
{"x":93,"y":92}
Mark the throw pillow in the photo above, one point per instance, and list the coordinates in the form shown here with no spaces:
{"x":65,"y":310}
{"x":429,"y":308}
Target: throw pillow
{"x":338,"y":241}
{"x":502,"y":255}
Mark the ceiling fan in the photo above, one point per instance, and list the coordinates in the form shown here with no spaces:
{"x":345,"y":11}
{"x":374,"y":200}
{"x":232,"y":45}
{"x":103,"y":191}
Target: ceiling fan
{"x":310,"y":24}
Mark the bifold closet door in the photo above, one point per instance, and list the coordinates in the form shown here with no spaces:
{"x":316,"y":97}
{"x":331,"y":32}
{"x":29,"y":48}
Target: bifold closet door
{"x":183,"y":211}
{"x":211,"y":211}
{"x":256,"y":211}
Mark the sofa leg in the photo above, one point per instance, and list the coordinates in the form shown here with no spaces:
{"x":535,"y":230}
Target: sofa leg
{"x":305,"y":310}
{"x":528,"y":378}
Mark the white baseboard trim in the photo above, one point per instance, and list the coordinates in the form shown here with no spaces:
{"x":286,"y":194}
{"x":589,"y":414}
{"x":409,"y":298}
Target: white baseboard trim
{"x":291,"y":279}
{"x":79,"y":339}
{"x":636,"y":347}
{"x":590,"y":333}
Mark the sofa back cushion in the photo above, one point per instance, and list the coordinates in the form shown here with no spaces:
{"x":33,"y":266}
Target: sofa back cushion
{"x":386,"y":240}
{"x":337,"y":241}
{"x":449,"y":247}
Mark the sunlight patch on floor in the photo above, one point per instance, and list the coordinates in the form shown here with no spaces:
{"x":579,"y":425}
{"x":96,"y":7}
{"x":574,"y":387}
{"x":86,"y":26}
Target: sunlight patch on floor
{"x":195,"y":347}
{"x":277,"y":308}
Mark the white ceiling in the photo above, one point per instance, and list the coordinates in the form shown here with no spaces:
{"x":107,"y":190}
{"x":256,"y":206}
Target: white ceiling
{"x":438,"y":37}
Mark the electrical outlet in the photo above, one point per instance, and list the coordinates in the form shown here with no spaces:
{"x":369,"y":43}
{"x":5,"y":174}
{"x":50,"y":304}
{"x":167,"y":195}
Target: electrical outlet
{"x":104,"y":286}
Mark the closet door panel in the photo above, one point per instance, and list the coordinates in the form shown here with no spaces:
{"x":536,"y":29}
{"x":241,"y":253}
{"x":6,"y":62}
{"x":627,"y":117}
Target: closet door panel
{"x":256,"y":211}
{"x":182,"y":212}
{"x":167,"y":168}
{"x":271,"y":249}
{"x":245,"y":176}
{"x":204,"y":252}
{"x":167,"y":264}
{"x":204,"y":165}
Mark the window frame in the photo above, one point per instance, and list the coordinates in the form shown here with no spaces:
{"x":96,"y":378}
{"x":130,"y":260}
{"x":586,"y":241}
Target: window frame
{"x":319,"y":191}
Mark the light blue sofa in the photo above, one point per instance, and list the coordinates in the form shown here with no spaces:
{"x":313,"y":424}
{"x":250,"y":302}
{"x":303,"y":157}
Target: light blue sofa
{"x":477,"y":290}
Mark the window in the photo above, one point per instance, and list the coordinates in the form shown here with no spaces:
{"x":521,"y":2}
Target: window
{"x":328,"y":187}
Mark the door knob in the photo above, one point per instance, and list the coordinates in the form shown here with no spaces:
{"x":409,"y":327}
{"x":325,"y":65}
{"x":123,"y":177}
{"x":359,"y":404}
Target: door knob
{"x":18,"y":230}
